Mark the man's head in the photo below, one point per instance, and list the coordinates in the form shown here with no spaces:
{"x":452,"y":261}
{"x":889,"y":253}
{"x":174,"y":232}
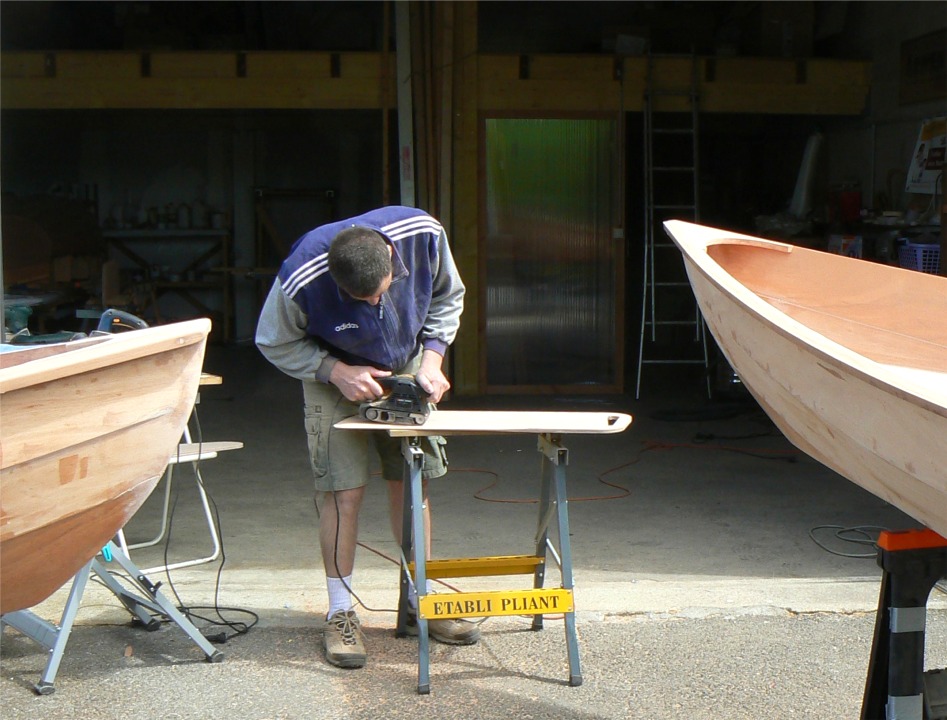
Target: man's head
{"x":360,"y":263}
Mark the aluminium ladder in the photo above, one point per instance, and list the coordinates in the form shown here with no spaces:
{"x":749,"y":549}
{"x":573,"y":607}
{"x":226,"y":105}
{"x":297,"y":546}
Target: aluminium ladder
{"x":671,"y":184}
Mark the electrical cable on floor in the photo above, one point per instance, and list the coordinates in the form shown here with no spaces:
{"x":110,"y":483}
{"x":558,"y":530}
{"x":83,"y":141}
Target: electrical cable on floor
{"x":865,"y":539}
{"x":701,"y":438}
{"x":717,"y":411}
{"x":862,"y":536}
{"x":479,"y":494}
{"x":706,"y":437}
{"x":781,"y":455}
{"x":844,"y":534}
{"x":237,"y":627}
{"x":699,"y":443}
{"x":395,"y":561}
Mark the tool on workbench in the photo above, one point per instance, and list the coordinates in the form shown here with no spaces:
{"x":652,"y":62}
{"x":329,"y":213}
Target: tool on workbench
{"x":403,"y":402}
{"x":113,"y":321}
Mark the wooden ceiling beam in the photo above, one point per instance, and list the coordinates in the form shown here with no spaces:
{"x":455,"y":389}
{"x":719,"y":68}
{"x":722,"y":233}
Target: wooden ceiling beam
{"x":343,"y":81}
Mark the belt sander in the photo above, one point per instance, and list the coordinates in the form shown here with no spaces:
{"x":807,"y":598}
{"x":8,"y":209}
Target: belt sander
{"x":403,"y":402}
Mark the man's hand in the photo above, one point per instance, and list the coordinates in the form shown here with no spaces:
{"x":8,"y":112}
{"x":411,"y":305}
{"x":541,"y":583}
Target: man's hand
{"x":357,"y":382}
{"x":431,"y":378}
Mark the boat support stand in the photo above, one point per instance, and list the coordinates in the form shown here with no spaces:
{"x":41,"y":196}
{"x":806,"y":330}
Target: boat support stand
{"x":54,"y":638}
{"x":897,"y":688}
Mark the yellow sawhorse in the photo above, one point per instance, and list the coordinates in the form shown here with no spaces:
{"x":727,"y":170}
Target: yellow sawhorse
{"x":553,"y":515}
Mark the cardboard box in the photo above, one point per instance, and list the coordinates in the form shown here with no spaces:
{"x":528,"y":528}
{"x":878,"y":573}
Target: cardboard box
{"x":848,"y":245}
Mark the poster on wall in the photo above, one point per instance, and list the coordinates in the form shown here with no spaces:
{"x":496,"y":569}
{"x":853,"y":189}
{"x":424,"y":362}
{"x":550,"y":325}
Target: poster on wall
{"x":926,"y":171}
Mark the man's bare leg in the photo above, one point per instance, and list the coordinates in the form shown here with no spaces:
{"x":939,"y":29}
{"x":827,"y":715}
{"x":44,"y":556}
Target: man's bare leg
{"x":338,"y":535}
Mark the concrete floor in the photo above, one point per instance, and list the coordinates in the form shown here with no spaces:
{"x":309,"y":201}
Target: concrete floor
{"x":700,"y":591}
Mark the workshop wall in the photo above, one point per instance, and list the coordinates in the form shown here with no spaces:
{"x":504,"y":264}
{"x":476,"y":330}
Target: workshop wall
{"x":139,"y":160}
{"x":143,"y":166}
{"x":873,"y":152}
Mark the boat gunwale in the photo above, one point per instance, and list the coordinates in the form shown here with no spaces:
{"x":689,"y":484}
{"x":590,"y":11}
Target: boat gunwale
{"x":120,"y":347}
{"x":885,"y":375}
{"x":175,"y":352}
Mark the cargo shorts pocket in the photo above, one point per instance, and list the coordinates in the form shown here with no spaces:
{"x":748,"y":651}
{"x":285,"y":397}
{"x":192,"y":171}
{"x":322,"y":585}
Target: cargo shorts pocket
{"x":435,"y":461}
{"x":440,"y":448}
{"x":317,"y":435}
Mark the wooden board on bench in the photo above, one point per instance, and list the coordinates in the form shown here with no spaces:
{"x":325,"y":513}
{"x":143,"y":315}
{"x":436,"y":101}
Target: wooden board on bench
{"x":484,"y":422}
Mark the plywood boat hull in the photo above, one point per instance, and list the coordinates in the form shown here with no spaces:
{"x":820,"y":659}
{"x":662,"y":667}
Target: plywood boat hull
{"x":848,"y":358}
{"x":86,"y":433}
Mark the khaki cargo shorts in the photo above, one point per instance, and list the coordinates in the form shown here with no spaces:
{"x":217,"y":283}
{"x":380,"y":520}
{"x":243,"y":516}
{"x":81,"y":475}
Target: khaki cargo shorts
{"x":340,"y":459}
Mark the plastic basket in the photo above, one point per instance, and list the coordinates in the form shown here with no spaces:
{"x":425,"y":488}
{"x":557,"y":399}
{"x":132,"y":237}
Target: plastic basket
{"x":918,"y":256}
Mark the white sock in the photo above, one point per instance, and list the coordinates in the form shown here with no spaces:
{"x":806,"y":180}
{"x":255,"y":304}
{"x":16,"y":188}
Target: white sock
{"x":339,"y":596}
{"x":413,"y":593}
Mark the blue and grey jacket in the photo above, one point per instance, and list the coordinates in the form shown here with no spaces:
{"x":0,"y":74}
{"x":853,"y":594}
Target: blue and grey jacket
{"x":308,"y":323}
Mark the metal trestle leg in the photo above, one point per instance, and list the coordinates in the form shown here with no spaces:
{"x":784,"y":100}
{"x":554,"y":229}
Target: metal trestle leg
{"x":537,"y":601}
{"x":912,"y":563}
{"x":141,"y":606}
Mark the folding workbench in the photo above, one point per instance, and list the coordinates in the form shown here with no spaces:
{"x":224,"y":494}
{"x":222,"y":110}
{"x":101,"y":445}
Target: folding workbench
{"x":538,"y":601}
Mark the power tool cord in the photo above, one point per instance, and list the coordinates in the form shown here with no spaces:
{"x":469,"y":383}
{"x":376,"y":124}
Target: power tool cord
{"x":237,"y":627}
{"x":219,"y":620}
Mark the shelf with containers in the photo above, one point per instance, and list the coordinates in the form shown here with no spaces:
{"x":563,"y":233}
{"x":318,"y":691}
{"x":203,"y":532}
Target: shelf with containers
{"x":187,"y":272}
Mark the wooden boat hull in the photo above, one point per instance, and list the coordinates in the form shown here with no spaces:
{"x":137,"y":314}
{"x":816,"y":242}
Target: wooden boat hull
{"x":86,"y":434}
{"x":848,"y":358}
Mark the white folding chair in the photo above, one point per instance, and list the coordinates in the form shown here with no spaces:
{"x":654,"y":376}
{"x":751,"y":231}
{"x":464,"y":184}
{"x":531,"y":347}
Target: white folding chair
{"x":193,"y":453}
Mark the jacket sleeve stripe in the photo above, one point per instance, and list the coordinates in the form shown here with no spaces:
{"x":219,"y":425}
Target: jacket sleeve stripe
{"x":305,"y":274}
{"x":412,"y":226}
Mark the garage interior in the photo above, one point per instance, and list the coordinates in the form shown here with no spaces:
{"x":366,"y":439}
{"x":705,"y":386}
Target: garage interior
{"x":162,"y":157}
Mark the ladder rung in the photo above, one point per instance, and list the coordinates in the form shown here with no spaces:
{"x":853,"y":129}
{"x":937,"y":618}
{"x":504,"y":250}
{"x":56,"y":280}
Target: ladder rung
{"x":670,"y":322}
{"x":674,"y":168}
{"x":673,"y":131}
{"x":671,"y":56}
{"x":675,"y":207}
{"x":671,"y":283}
{"x":672,"y":362}
{"x":674,"y":92}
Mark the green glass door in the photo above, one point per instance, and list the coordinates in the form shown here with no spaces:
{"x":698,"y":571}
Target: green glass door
{"x":554,"y":258}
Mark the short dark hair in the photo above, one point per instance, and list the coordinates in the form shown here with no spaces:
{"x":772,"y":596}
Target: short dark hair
{"x":359,"y":260}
